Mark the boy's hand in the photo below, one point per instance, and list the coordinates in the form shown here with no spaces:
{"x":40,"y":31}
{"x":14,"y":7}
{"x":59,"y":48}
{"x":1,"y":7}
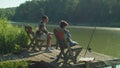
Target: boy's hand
{"x":50,"y":33}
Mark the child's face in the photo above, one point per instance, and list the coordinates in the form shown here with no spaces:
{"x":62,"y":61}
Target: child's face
{"x":46,"y":20}
{"x":65,"y":26}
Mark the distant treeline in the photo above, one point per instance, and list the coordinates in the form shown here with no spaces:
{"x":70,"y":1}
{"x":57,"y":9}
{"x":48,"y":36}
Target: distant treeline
{"x":75,"y":11}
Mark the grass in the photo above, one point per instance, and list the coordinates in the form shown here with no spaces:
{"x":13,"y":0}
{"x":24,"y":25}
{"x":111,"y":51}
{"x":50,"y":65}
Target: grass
{"x":17,"y":64}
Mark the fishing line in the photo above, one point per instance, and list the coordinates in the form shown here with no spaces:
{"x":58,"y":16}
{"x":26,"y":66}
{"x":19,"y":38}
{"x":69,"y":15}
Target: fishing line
{"x":88,"y":46}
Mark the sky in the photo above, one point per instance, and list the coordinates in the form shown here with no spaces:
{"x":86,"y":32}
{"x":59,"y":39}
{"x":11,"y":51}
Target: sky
{"x":11,"y":3}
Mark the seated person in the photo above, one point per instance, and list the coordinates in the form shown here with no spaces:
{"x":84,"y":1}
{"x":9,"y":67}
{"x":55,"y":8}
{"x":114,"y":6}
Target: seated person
{"x":43,"y":34}
{"x":63,"y":25}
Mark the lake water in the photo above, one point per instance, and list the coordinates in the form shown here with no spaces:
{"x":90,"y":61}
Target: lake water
{"x":106,"y":40}
{"x":85,"y":27}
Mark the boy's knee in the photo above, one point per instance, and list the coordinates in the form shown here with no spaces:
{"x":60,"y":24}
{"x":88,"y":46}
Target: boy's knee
{"x":49,"y":36}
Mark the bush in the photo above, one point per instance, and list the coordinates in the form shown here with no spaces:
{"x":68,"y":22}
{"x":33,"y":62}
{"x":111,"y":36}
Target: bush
{"x":12,"y":38}
{"x":18,"y":64}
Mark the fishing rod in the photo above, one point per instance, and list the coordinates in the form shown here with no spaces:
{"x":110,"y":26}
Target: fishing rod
{"x":88,"y":46}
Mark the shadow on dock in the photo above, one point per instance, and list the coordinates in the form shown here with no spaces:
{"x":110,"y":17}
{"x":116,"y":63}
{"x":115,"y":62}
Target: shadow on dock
{"x":100,"y":64}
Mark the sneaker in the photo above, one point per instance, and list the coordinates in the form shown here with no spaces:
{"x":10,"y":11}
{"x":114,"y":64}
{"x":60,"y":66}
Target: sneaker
{"x":73,"y":43}
{"x":51,"y":48}
{"x":48,"y":51}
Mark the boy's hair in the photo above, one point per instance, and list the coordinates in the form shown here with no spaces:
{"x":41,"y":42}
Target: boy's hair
{"x":63,"y":23}
{"x":44,"y":17}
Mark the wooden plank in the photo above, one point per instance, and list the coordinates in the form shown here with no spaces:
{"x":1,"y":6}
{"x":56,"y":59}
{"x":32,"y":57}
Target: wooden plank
{"x":40,"y":58}
{"x":76,"y":47}
{"x":86,"y":59}
{"x":97,"y":56}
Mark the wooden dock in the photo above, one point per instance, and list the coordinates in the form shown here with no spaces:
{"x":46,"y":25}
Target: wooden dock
{"x":48,"y":57}
{"x":100,"y":61}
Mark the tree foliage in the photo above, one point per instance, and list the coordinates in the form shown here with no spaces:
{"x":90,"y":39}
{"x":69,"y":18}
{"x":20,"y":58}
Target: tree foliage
{"x":71,"y":10}
{"x":11,"y":37}
{"x":9,"y":13}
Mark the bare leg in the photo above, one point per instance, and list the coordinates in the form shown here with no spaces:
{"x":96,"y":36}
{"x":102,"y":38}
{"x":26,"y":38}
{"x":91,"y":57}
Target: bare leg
{"x":48,"y":41}
{"x":40,"y":46}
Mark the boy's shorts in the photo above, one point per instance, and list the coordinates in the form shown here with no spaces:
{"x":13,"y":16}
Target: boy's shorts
{"x":42,"y":37}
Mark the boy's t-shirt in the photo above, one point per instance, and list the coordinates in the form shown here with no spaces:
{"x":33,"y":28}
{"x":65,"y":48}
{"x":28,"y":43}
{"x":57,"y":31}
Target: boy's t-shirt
{"x":69,"y":39}
{"x":42,"y":27}
{"x":42,"y":30}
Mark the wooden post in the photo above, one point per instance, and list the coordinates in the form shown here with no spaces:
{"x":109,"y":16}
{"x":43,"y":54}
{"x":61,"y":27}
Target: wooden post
{"x":87,"y":65}
{"x":113,"y":66}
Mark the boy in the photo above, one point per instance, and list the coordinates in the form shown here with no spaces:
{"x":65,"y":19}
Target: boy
{"x":42,"y":33}
{"x":63,"y":25}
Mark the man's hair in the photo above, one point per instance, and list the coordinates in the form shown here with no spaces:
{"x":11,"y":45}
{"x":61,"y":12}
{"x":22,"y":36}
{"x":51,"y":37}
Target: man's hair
{"x":44,"y":17}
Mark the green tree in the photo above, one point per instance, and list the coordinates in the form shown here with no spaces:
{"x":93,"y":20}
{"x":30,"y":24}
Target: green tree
{"x":78,"y":11}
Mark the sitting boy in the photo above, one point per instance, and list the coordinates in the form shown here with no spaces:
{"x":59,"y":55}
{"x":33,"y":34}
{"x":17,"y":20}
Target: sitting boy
{"x":43,"y":34}
{"x":63,"y":25}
